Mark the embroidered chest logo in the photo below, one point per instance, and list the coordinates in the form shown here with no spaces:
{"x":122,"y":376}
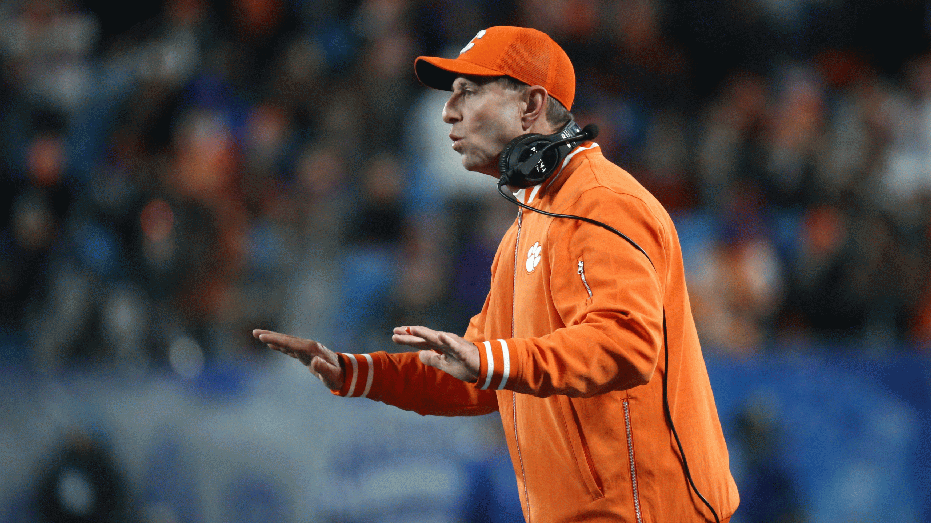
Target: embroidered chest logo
{"x":534,"y":256}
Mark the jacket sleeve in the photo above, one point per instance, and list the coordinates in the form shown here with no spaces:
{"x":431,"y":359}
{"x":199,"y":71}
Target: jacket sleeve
{"x":609,"y":298}
{"x":403,"y":381}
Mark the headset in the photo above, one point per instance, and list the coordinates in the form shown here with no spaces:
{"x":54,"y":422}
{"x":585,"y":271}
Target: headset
{"x":530,"y":160}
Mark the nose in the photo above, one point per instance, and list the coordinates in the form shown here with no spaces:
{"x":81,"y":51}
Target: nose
{"x":450,"y":112}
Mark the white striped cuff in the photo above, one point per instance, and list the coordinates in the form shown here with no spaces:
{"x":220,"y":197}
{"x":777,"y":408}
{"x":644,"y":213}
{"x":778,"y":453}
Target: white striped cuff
{"x":494,"y":364}
{"x":359,"y":372}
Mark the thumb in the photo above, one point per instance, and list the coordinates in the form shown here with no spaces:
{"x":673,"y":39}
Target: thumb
{"x":331,"y":375}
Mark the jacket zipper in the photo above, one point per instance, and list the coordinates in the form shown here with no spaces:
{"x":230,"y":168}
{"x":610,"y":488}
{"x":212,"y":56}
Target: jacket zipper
{"x":584,"y":281}
{"x":633,"y":467}
{"x":520,"y":458}
{"x":520,"y":216}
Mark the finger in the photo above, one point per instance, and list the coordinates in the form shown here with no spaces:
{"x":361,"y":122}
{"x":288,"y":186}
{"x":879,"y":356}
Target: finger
{"x":406,"y":339}
{"x":304,"y":358}
{"x":283,"y":350}
{"x":449,"y":343}
{"x":422,"y":332}
{"x":406,"y":334}
{"x":301,"y":356}
{"x":430,"y":338}
{"x":415,"y":342}
{"x":298,"y":346}
{"x":279,"y":339}
{"x":446,"y":339}
{"x":257,"y":333}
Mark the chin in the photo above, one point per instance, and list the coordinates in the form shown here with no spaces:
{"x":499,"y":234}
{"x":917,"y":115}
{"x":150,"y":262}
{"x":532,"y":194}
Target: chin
{"x":472,"y":164}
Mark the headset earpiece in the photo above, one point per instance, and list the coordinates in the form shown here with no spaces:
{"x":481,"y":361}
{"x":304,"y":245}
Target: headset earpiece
{"x":532,"y":158}
{"x":513,"y":166}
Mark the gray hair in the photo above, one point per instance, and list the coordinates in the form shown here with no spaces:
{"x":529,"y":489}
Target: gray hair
{"x":556,"y":113}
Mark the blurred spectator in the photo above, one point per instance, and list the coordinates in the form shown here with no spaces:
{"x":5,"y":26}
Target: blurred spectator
{"x":312,"y":208}
{"x":36,"y":201}
{"x":790,"y":140}
{"x":372,"y":264}
{"x":175,"y":173}
{"x":83,"y":483}
{"x":739,"y":282}
{"x":49,"y":43}
{"x":423,"y":287}
{"x":478,"y":233}
{"x":768,"y":490}
{"x":729,"y":138}
{"x":385,"y":83}
{"x":848,"y":284}
{"x":663,"y":165}
{"x":491,"y":489}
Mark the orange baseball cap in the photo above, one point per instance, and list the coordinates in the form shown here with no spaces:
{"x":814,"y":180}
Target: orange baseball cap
{"x":524,"y":54}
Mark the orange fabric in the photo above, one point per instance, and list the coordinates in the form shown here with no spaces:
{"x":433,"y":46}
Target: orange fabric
{"x":525,"y":54}
{"x":401,"y":380}
{"x":570,"y":341}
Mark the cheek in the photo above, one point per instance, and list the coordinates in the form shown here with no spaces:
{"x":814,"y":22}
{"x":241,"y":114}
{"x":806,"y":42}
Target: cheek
{"x":492,"y":134}
{"x":506,"y":125}
{"x":492,"y":125}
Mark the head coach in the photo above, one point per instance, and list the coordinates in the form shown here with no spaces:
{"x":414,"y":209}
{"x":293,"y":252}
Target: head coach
{"x":586,"y":344}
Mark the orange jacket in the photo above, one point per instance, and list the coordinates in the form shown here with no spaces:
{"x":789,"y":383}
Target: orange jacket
{"x":571,"y":347}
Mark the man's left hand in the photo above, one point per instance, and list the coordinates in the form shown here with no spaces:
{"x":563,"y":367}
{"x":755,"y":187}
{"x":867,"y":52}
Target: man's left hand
{"x":442,"y":350}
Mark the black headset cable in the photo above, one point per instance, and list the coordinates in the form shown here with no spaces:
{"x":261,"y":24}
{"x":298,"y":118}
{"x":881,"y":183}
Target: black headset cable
{"x":675,"y":434}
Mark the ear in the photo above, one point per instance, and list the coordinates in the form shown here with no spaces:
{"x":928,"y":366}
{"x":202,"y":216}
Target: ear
{"x":535,"y":110}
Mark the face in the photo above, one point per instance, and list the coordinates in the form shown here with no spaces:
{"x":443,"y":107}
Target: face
{"x":485,"y":116}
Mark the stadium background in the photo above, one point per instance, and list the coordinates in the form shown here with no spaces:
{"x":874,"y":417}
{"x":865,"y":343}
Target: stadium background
{"x":175,"y":173}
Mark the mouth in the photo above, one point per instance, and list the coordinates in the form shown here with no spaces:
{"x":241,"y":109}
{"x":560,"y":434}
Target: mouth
{"x":457,"y":142}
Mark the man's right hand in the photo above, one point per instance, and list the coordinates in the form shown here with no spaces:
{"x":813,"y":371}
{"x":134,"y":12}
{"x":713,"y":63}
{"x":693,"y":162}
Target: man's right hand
{"x":322,"y":362}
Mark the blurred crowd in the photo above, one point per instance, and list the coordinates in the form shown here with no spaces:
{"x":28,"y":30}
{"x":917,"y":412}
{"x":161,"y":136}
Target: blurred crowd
{"x":178,"y":172}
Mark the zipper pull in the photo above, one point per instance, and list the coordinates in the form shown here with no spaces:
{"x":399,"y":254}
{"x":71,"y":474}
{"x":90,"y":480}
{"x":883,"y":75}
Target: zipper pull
{"x":584,"y":281}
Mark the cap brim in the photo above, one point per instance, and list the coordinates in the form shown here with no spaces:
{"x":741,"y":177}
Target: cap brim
{"x":439,"y":73}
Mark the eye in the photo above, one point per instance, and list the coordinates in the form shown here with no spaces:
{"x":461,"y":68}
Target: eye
{"x":465,"y":89}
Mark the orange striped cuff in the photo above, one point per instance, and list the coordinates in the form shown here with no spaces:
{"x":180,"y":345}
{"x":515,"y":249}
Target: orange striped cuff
{"x":494,"y":364}
{"x":358,"y":373}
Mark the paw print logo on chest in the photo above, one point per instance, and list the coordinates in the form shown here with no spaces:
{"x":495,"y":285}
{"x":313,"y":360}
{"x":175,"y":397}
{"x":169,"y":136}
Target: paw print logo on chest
{"x":534,"y":256}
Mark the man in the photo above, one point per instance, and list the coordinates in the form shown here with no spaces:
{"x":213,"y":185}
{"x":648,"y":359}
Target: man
{"x":570,"y":344}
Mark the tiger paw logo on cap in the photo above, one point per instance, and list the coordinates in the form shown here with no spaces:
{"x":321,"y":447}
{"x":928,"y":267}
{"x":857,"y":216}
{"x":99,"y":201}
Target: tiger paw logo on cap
{"x":534,"y":256}
{"x":471,"y":43}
